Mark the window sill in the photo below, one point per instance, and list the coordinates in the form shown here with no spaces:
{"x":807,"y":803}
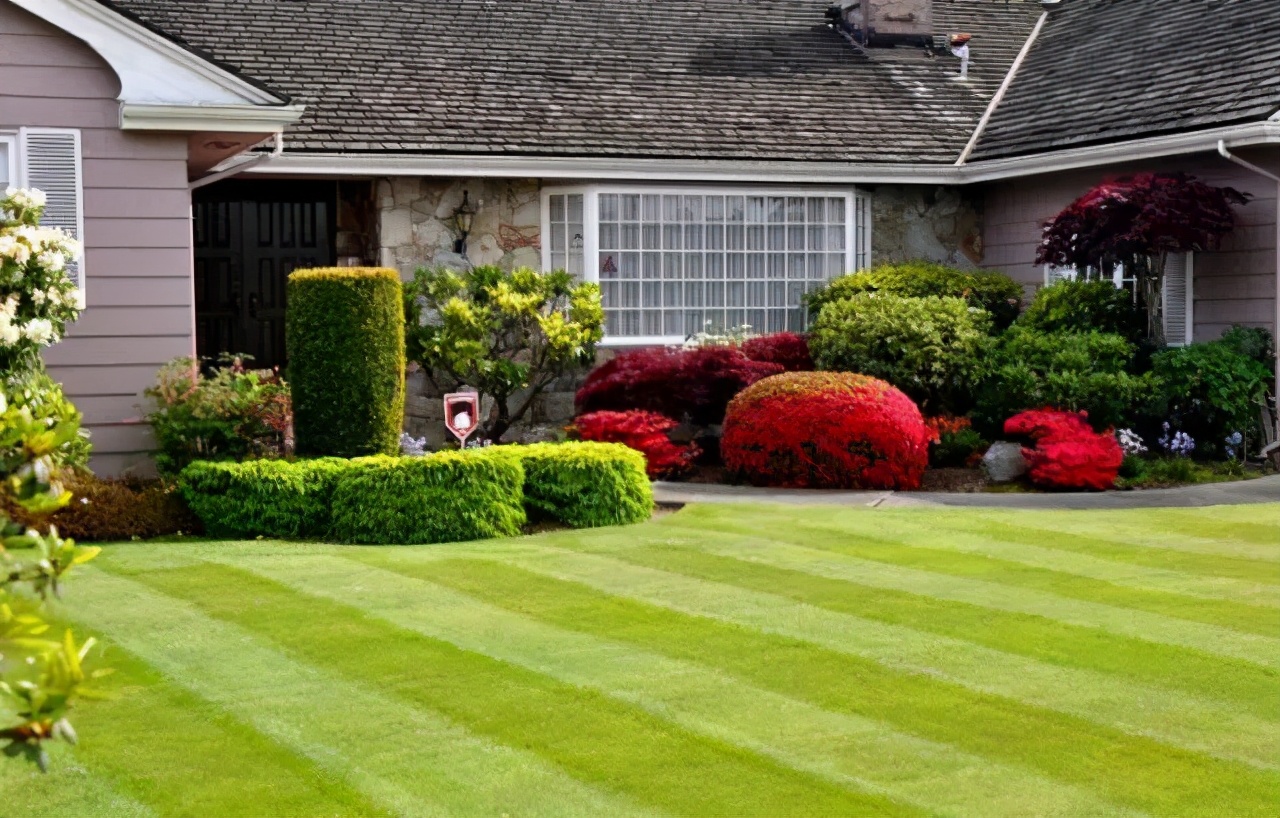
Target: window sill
{"x":623,"y":342}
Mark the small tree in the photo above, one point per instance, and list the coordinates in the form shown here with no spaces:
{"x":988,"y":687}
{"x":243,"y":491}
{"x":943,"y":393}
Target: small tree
{"x":509,"y":335}
{"x":1137,"y":222}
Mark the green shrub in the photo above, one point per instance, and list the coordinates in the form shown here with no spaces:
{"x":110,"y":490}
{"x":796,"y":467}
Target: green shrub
{"x":1252,"y":342}
{"x":1085,"y":306}
{"x":1074,"y":371}
{"x":269,"y":498}
{"x":446,"y":497}
{"x":931,"y":348}
{"x":994,"y":292}
{"x":1210,"y":391}
{"x":233,"y":414}
{"x":345,"y":338}
{"x":954,"y":448}
{"x":114,"y":510}
{"x":35,"y":392}
{"x":585,"y":485}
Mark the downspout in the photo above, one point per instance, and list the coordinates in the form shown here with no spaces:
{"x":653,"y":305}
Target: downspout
{"x":236,"y":170}
{"x":1230,"y":157}
{"x":1004,"y":88}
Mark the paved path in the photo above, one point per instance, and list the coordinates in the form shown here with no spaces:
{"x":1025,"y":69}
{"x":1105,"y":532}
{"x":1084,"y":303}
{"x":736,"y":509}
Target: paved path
{"x":1262,"y":490}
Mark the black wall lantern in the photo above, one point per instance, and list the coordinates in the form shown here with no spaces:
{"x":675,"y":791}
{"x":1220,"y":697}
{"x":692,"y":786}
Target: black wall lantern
{"x":463,"y":218}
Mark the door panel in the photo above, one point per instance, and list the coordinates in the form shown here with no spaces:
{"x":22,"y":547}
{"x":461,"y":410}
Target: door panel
{"x":248,"y":238}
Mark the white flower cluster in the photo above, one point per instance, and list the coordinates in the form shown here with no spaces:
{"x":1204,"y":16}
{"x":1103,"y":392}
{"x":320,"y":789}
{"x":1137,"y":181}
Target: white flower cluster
{"x":50,"y":247}
{"x":39,"y":331}
{"x":37,"y":298}
{"x":24,"y":198}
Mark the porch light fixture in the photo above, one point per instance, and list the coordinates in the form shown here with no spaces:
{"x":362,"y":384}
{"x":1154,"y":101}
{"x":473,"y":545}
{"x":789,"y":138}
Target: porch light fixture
{"x":463,"y":218}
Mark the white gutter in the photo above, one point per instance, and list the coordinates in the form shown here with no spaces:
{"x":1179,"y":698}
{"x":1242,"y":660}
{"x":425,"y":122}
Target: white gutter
{"x":1004,"y":88}
{"x":240,"y":167}
{"x":1230,"y":157}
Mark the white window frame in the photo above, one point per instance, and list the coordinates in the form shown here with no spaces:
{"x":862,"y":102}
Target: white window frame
{"x":857,"y":244}
{"x":10,"y":140}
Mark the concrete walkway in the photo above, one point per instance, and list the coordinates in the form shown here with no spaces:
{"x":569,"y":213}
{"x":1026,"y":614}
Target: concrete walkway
{"x":1261,"y":490}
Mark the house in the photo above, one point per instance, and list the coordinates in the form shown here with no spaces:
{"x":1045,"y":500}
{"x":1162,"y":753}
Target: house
{"x":704,"y":160}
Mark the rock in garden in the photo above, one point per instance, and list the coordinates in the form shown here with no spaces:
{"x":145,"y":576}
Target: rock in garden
{"x":1004,"y":463}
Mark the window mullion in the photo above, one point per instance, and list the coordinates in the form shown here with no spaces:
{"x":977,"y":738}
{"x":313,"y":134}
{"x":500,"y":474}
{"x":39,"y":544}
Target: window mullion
{"x":591,"y":235}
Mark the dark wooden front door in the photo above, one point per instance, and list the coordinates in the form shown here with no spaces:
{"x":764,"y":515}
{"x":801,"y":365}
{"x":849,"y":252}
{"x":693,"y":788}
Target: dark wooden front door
{"x":248,"y":237}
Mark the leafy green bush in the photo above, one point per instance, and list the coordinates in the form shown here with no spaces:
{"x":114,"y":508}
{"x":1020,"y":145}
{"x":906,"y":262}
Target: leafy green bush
{"x":994,"y":292}
{"x":233,"y":414}
{"x":585,"y":485}
{"x":269,"y":498}
{"x":1072,"y":371}
{"x":1252,"y":342}
{"x":503,"y":333}
{"x":1210,"y":391}
{"x":931,"y":348}
{"x":345,"y":338}
{"x":446,"y":497}
{"x":34,"y":391}
{"x":955,"y":448}
{"x":1085,"y":306}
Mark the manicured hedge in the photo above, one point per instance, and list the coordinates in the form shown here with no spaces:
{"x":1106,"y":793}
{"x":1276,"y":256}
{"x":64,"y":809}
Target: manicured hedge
{"x":345,"y":339}
{"x":446,"y":497}
{"x":996,"y":293}
{"x":268,"y":498}
{"x":586,"y":485}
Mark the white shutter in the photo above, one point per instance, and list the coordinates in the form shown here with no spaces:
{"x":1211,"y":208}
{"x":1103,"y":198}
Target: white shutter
{"x":51,"y":162}
{"x":1053,"y":274}
{"x":1177,"y":299}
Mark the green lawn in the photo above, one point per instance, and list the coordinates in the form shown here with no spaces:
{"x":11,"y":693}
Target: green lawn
{"x":724,"y":660}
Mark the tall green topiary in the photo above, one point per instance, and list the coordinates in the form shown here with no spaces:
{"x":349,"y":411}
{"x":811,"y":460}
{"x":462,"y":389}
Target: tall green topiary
{"x":345,"y":338}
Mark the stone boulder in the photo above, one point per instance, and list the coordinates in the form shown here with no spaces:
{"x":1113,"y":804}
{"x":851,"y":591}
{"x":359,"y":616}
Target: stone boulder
{"x":1004,"y":463}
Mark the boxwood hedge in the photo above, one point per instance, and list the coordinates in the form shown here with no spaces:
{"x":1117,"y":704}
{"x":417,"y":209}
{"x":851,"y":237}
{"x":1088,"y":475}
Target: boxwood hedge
{"x":585,"y":485}
{"x":268,"y":498}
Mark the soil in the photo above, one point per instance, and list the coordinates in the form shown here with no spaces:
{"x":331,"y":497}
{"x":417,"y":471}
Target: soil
{"x":964,"y":481}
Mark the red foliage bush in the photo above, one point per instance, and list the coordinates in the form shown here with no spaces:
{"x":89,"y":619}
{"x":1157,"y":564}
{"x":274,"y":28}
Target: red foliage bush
{"x":825,"y":430}
{"x":694,"y":382}
{"x":940,"y":425}
{"x":786,"y":349}
{"x":646,"y":432}
{"x":1068,"y":453}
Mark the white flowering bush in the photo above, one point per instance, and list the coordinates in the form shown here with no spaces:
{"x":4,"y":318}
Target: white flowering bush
{"x":37,"y":298}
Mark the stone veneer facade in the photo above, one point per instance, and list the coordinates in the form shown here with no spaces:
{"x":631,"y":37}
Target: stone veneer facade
{"x":414,"y":218}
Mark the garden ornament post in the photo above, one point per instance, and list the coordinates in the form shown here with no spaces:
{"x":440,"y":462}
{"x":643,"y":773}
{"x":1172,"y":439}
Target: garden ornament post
{"x":462,"y":414}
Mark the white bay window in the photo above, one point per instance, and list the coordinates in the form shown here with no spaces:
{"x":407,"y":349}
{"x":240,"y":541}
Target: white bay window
{"x":675,"y":262}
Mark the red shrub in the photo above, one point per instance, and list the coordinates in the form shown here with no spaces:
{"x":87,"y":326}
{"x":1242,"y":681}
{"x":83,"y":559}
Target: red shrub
{"x":940,"y":425}
{"x":786,"y":349}
{"x":1068,"y":453}
{"x":646,"y":432}
{"x":694,"y":382}
{"x":825,"y":430}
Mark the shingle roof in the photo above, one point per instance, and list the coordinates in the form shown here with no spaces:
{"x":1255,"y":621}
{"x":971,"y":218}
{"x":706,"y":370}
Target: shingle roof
{"x":1108,"y":70}
{"x":756,"y":79}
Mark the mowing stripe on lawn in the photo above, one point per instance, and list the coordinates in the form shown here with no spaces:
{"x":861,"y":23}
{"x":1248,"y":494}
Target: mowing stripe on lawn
{"x":1256,"y":580}
{"x":936,"y":558}
{"x":68,"y":789}
{"x":592,"y":736}
{"x":949,"y":533}
{"x":949,"y":576}
{"x":1242,"y":685}
{"x":1001,"y":729}
{"x":426,"y":766}
{"x":1143,"y":710}
{"x":840,"y":747}
{"x":201,"y":747}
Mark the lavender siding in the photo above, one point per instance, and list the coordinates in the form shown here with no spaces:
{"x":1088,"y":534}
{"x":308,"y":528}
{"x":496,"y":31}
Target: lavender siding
{"x":137,"y":232}
{"x":1236,"y":284}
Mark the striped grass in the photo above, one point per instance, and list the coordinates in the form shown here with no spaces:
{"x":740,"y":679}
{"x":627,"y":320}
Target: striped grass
{"x":723,"y":660}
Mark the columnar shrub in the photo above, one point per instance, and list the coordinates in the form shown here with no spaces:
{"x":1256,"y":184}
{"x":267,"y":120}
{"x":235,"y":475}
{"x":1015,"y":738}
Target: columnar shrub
{"x":786,"y":349}
{"x":345,"y":339}
{"x":646,"y":432}
{"x":1068,"y":453}
{"x":994,"y":292}
{"x":268,"y":498}
{"x":447,"y":497}
{"x":585,"y":485}
{"x":931,"y":348}
{"x":825,"y":430}
{"x":693,"y":383}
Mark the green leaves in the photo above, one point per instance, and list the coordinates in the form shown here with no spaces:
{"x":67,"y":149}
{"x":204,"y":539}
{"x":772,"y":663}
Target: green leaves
{"x":501,"y":332}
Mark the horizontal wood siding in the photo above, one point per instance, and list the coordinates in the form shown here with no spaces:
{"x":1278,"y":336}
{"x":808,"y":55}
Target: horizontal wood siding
{"x":137,"y":233}
{"x":1236,"y":284}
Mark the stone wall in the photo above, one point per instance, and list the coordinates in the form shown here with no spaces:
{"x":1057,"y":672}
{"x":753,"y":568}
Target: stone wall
{"x":416,"y":222}
{"x":926,"y":222}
